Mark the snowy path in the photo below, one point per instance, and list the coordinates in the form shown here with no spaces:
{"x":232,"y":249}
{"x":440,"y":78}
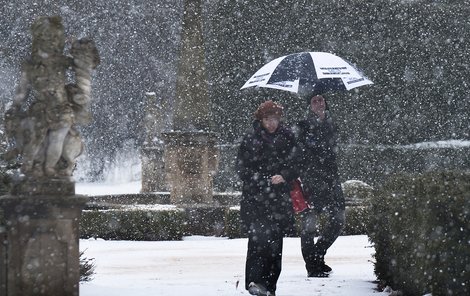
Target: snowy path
{"x":211,"y":266}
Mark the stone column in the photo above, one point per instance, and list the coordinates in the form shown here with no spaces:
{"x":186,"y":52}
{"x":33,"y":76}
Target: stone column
{"x":192,"y":103}
{"x":190,"y":151}
{"x":40,"y":255}
{"x":153,"y":166}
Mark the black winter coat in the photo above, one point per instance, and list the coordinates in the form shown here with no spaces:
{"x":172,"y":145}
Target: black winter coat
{"x":318,"y":169}
{"x":264,"y":205}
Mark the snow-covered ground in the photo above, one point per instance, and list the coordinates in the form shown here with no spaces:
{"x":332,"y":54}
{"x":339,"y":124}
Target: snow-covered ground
{"x":95,"y":189}
{"x":209,"y":266}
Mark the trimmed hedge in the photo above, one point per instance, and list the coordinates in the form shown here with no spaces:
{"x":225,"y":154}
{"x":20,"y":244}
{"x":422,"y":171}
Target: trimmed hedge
{"x":233,"y":223}
{"x":420,"y":228}
{"x":152,"y":222}
{"x":355,"y":222}
{"x":172,"y":223}
{"x":133,"y":224}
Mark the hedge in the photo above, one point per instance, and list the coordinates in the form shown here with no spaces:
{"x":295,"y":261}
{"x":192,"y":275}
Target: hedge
{"x":133,"y":223}
{"x":152,"y":222}
{"x":420,"y":229}
{"x":355,"y":222}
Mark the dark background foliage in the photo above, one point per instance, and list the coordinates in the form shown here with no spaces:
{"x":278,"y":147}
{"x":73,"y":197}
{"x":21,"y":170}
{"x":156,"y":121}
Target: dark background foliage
{"x":416,"y":52}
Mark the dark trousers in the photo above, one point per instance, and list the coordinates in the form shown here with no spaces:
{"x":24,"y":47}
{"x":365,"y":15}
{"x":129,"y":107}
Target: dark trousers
{"x":314,"y":252}
{"x":264,"y":259}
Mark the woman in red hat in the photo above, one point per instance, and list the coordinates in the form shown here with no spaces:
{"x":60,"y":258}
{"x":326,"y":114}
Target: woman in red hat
{"x":265,"y":166}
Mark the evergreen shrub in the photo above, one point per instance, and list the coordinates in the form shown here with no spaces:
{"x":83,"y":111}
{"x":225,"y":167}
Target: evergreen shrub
{"x":357,"y":195}
{"x":356,"y":217}
{"x":419,"y":225}
{"x":87,"y":267}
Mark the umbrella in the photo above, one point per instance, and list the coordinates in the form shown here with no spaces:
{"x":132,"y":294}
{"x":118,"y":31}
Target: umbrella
{"x":308,"y":72}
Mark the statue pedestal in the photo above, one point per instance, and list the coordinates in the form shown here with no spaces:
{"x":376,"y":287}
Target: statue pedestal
{"x":190,"y":162}
{"x":156,"y":120}
{"x":153,"y":170}
{"x":40,"y":255}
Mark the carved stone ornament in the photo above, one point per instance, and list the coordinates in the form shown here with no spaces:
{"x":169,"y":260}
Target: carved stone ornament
{"x":41,"y":121}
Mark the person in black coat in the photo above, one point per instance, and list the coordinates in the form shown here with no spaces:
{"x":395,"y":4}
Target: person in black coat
{"x":318,"y":169}
{"x":265,"y":166}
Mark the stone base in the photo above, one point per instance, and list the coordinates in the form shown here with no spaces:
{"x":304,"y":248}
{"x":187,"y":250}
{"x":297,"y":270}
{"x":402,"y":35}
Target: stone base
{"x":191,"y":160}
{"x":40,"y":253}
{"x":44,"y":187}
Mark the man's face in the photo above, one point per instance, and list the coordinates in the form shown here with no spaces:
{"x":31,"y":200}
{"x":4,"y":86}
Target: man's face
{"x":317,"y":104}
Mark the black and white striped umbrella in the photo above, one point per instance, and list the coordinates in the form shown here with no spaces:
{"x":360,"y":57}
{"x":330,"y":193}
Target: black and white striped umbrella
{"x":308,"y":72}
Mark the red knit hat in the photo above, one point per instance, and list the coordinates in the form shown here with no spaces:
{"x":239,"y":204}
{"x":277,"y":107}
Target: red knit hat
{"x":268,"y":108}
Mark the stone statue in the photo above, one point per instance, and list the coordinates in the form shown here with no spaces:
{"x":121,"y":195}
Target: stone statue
{"x":41,"y":122}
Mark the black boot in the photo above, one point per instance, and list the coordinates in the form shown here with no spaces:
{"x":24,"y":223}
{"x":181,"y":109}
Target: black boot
{"x":323,"y":266}
{"x":257,"y":289}
{"x":317,"y":272}
{"x":318,"y":268}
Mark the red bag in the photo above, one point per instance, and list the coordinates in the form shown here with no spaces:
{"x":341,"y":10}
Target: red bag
{"x":297,"y":196}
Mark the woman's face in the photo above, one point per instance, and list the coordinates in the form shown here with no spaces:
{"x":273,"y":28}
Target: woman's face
{"x":270,"y":123}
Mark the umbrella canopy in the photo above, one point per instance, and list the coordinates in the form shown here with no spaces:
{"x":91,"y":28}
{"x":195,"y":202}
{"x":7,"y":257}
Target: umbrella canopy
{"x":308,"y":72}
